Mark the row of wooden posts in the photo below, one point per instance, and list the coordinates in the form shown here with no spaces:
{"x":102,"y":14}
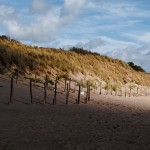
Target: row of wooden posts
{"x":66,"y":89}
{"x":121,"y":93}
{"x":138,"y":91}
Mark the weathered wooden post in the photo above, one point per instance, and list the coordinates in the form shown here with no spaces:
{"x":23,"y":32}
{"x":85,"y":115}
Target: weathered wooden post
{"x":79,"y":92}
{"x":65,"y":84}
{"x":107,"y":88}
{"x":87,"y":93}
{"x":45,"y":91}
{"x":46,"y":80}
{"x":35,"y":80}
{"x":121,"y":91}
{"x":146,"y":91}
{"x":130,"y":91}
{"x":17,"y":76}
{"x":11,"y":90}
{"x":67,"y":93}
{"x":89,"y":90}
{"x":111,"y":89}
{"x":125,"y":91}
{"x":69,"y":84}
{"x":94,"y":87}
{"x":31,"y":98}
{"x":134,"y":93}
{"x":137,"y":90}
{"x":100,"y":88}
{"x":116,"y":91}
{"x":45,"y":88}
{"x":141,"y":91}
{"x":55,"y":94}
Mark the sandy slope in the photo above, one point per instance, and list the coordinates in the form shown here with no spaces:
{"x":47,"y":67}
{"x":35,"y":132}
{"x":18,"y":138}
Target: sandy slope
{"x":105,"y":123}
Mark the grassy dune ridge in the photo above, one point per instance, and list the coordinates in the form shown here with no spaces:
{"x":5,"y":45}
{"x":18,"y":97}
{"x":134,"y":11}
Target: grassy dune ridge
{"x":43,"y":60}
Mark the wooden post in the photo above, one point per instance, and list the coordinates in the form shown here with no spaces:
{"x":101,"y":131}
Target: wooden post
{"x":116,"y":91}
{"x":55,"y":94}
{"x":45,"y":91}
{"x":141,"y":91}
{"x":111,"y":90}
{"x":125,"y":91}
{"x":134,"y":93}
{"x":46,"y":80}
{"x":65,"y":84}
{"x":69,"y":84}
{"x":35,"y":80}
{"x":137,"y":90}
{"x":107,"y":88}
{"x":121,"y":90}
{"x":130,"y":92}
{"x":45,"y":88}
{"x":67,"y":93}
{"x":94,"y":87}
{"x":11,"y":90}
{"x":89,"y":90}
{"x":31,"y":91}
{"x":146,"y":91}
{"x":79,"y":92}
{"x":100,"y":88}
{"x":87,"y":93}
{"x":17,"y":76}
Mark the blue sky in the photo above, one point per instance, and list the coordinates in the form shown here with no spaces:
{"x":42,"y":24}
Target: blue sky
{"x":117,"y":28}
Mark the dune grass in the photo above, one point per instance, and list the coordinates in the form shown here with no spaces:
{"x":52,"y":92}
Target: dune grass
{"x":43,"y":60}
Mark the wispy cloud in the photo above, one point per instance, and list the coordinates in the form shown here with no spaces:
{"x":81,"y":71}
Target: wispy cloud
{"x":119,"y":9}
{"x":143,"y":37}
{"x":102,"y":44}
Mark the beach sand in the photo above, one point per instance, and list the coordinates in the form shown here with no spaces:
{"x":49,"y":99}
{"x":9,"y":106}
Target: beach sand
{"x":105,"y":123}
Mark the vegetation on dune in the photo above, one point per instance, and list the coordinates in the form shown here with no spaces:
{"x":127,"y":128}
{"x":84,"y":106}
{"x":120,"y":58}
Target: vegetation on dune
{"x":75,"y":61}
{"x":135,"y":67}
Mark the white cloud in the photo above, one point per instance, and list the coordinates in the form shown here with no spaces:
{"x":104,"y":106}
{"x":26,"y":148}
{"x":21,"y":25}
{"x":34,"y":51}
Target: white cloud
{"x":44,"y":26}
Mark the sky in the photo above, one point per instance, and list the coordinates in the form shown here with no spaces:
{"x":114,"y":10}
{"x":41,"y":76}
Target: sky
{"x":116,"y":28}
